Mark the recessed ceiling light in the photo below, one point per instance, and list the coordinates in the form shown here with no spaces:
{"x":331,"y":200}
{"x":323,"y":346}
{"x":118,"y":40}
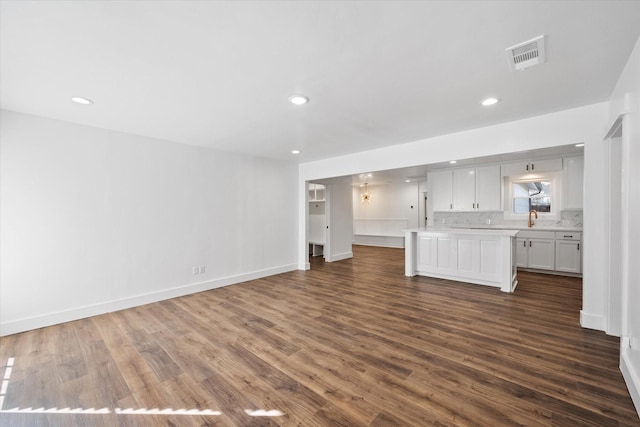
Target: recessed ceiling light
{"x":489,"y":101}
{"x":295,"y":151}
{"x":81,"y":100}
{"x":361,"y":185}
{"x":407,"y":180}
{"x":369,"y":174}
{"x":453,"y":161}
{"x":298,"y":99}
{"x":580,"y":144}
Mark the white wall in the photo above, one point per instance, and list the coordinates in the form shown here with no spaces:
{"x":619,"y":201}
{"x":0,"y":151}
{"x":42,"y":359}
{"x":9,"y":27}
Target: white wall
{"x":393,"y":208}
{"x":585,"y":124}
{"x":626,"y":98}
{"x":93,"y":220}
{"x":389,"y":201}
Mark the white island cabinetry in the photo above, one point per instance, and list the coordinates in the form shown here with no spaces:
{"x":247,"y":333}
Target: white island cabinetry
{"x":485,"y":257}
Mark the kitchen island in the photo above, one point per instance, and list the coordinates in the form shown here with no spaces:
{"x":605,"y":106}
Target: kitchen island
{"x":480,"y":256}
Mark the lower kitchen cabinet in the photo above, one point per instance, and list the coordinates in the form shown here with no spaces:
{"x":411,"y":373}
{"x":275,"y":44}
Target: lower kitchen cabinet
{"x":538,"y":252}
{"x":522,"y":252}
{"x":546,"y":250}
{"x":568,"y":257}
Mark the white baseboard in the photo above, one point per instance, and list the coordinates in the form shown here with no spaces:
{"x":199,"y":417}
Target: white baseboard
{"x":631,"y":376}
{"x":592,"y":321}
{"x":340,"y":257}
{"x":35,"y":322}
{"x":380,"y":241}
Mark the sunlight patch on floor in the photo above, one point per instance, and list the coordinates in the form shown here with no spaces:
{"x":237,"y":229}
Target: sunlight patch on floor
{"x":263,"y":413}
{"x":118,"y":411}
{"x":5,"y":380}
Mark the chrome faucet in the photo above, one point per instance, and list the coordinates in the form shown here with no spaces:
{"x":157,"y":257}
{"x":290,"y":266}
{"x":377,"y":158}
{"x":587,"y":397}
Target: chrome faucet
{"x":535,"y":212}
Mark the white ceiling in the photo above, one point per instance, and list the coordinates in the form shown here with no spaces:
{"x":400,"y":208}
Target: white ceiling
{"x":379,"y":73}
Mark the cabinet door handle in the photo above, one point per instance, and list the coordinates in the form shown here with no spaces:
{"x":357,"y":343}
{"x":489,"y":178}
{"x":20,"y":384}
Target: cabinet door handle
{"x":527,"y":168}
{"x":578,"y":246}
{"x":569,"y":236}
{"x":524,"y":243}
{"x":451,"y":206}
{"x":478,"y":205}
{"x":529,"y":243}
{"x":532,"y":166}
{"x":474,"y":206}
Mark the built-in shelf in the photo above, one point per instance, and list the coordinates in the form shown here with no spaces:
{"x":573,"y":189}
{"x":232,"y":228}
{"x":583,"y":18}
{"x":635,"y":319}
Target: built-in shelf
{"x":316,"y":192}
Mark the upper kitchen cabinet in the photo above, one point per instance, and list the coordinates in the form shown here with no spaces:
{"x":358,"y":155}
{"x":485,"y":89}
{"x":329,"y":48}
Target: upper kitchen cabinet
{"x":441,"y":185}
{"x":488,"y":188}
{"x":533,"y":166}
{"x":466,"y":189}
{"x":573,"y":178}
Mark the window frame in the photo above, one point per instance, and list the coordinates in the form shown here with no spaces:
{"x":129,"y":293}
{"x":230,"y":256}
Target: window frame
{"x":555,"y":179}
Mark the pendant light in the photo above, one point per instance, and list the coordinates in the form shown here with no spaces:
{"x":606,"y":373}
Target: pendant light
{"x":366,"y":196}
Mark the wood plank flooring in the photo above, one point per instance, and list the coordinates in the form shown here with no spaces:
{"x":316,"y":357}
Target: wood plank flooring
{"x":351,"y":343}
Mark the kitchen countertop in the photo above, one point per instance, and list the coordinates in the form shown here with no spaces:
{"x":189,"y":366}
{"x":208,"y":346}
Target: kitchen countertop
{"x":510,"y":227}
{"x":465,"y":230}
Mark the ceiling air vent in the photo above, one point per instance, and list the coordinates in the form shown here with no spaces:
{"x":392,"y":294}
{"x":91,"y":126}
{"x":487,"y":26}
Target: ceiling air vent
{"x":527,"y":54}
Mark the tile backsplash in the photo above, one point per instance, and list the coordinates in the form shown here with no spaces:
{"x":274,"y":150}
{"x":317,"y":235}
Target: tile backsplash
{"x":569,"y":218}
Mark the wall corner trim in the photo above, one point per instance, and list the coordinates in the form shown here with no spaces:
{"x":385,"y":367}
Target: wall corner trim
{"x":631,"y":377}
{"x":304,"y":266}
{"x":592,"y":321}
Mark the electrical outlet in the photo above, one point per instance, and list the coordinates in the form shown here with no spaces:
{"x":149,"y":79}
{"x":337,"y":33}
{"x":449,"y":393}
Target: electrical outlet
{"x":202,"y":269}
{"x":444,"y":221}
{"x":195,"y":270}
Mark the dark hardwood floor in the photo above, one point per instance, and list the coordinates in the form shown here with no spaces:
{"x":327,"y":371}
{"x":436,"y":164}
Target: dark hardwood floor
{"x":350,"y":343}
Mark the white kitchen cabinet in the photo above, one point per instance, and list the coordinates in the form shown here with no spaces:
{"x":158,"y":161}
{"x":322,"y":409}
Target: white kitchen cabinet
{"x":427,"y":247}
{"x":441,"y":184}
{"x":522,"y":252}
{"x":484,"y":257}
{"x":446,"y":254}
{"x":542,"y":254}
{"x":533,"y":166}
{"x":466,"y":189}
{"x":536,"y":249}
{"x":437,"y":253}
{"x":488,"y":188}
{"x":573,"y":174}
{"x":515,"y":168}
{"x":475,"y":256}
{"x":568,"y":257}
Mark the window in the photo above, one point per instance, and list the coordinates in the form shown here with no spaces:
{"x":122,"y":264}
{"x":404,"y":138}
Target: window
{"x":528,"y":195}
{"x":539,"y":192}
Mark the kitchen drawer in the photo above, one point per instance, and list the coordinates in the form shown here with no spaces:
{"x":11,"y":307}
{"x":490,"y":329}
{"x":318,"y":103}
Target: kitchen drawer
{"x":568,"y":235}
{"x":530,"y":234}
